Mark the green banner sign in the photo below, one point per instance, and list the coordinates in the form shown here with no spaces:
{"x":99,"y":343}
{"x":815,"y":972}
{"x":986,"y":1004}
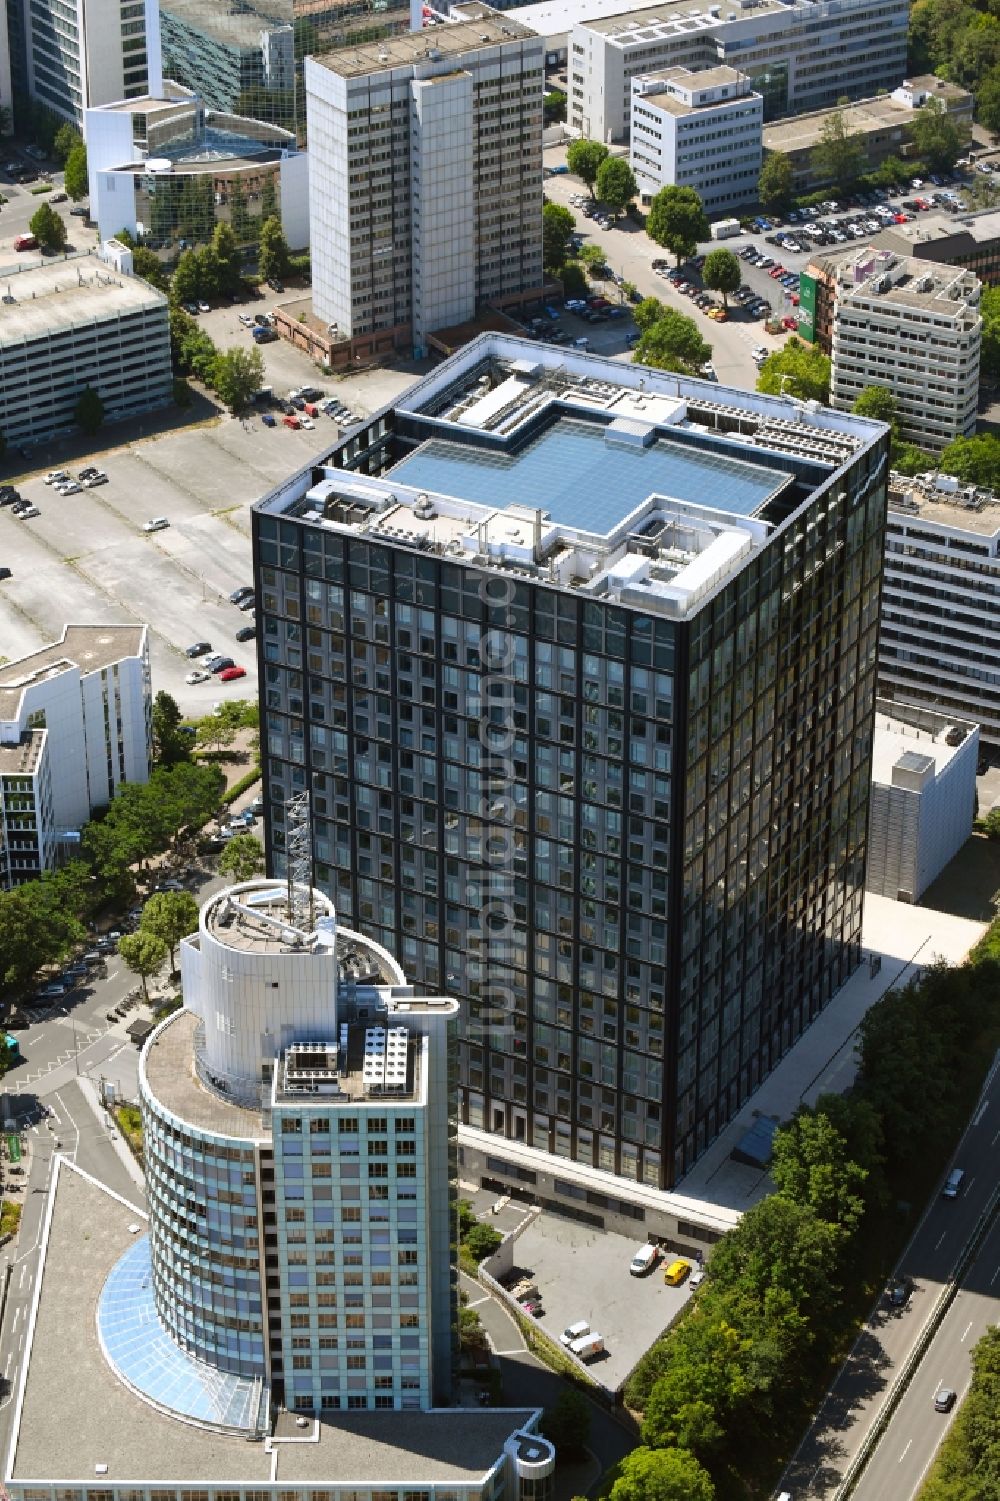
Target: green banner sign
{"x":807,"y":308}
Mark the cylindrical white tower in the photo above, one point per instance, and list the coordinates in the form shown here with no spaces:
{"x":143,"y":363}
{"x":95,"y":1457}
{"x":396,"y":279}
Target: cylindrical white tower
{"x":258,"y":981}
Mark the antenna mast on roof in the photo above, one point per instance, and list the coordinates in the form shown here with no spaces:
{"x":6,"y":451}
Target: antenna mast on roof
{"x":298,"y":858}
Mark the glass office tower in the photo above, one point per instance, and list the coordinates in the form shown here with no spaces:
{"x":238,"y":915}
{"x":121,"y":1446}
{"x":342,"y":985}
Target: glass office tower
{"x":577,"y":662}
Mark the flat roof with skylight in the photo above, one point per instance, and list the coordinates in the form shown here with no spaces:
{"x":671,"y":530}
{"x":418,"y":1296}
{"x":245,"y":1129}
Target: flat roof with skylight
{"x":613,"y":480}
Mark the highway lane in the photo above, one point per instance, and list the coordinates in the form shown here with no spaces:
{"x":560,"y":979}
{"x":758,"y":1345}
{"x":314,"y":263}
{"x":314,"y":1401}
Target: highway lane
{"x":909,"y":1445}
{"x":857,"y":1396}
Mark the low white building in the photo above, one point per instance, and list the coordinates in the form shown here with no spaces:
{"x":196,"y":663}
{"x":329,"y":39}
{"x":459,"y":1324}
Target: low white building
{"x":923,"y":797}
{"x":82,"y":321}
{"x":939,"y":643}
{"x":698,"y":130}
{"x":75,"y":723}
{"x":915,"y":328}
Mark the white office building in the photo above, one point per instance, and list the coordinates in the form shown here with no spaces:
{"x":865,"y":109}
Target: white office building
{"x":80,"y":53}
{"x":66,"y":325}
{"x":75,"y":723}
{"x":426,"y":178}
{"x":799,"y":55}
{"x":915,"y":328}
{"x":698,"y":130}
{"x":939,"y":644}
{"x":923,"y":798}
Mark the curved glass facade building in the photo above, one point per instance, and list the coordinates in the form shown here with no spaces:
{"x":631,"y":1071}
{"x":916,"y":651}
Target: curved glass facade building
{"x":298,"y":1119}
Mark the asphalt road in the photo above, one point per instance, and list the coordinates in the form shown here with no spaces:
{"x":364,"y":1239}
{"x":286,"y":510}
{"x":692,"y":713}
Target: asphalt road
{"x":931,"y":1258}
{"x":22,"y":203}
{"x":910,"y":1442}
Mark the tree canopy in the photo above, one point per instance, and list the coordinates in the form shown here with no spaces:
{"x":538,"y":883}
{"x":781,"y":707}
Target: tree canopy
{"x":937,"y":137}
{"x":237,"y":375}
{"x":567,"y":1423}
{"x":722,"y":273}
{"x":65,"y":141}
{"x":242,"y":858}
{"x":169,"y":745}
{"x":989,"y":311}
{"x":272,"y":250}
{"x":776,"y":183}
{"x":584,"y":158}
{"x":662,"y":1475}
{"x":47,"y":228}
{"x":677,"y":221}
{"x":838,"y":156}
{"x":673,"y":342}
{"x":75,"y":179}
{"x":975,"y":461}
{"x":616,"y":184}
{"x":558,"y":227}
{"x":797,"y":369}
{"x":879,"y":403}
{"x":89,"y":412}
{"x":40,"y":921}
{"x":170,"y":916}
{"x":144,"y":817}
{"x":143,"y":953}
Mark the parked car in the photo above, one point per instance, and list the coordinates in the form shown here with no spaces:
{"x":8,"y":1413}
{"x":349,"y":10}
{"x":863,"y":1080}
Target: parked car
{"x":241,"y":593}
{"x":574,"y":1331}
{"x":220,"y":664}
{"x":79,"y":211}
{"x":158,"y":524}
{"x":247,"y":604}
{"x":56,"y":476}
{"x":6,"y":573}
{"x":94,"y":480}
{"x":269,"y":419}
{"x":198,"y":649}
{"x":676,"y":1272}
{"x":198,"y":676}
{"x":898,"y":1292}
{"x":645,"y":1259}
{"x":246,"y":633}
{"x":230,"y":674}
{"x":27,"y":514}
{"x":697,"y":1277}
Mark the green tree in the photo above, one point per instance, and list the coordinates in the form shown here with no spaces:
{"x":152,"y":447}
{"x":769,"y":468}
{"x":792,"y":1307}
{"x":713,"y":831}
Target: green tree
{"x":554,"y":107}
{"x":169,"y":745}
{"x":989,"y":311}
{"x":227,"y":257}
{"x":40,"y":921}
{"x":988,"y":101}
{"x":662,"y":1475}
{"x":482,"y":1241}
{"x":647,"y":312}
{"x":47,"y":227}
{"x":238,"y":374}
{"x":592,"y":256}
{"x":272,"y":251}
{"x":673,"y":343}
{"x":242,"y":858}
{"x":811,"y":1166}
{"x":838,"y":156}
{"x":89,"y":412}
{"x":907,"y":458}
{"x":574,"y":281}
{"x":584,"y":158}
{"x":76,"y":180}
{"x":567,"y":1423}
{"x":147,"y":265}
{"x":215,"y":732}
{"x":974,"y":461}
{"x":616,"y":184}
{"x":797,"y":369}
{"x":170,"y":916}
{"x":937,"y":137}
{"x":722,"y":273}
{"x":209,"y":273}
{"x":878,"y":403}
{"x":991,"y":824}
{"x":558,"y":226}
{"x":776,"y":183}
{"x":676,"y":220}
{"x":65,"y":141}
{"x":144,"y":954}
{"x":185,"y":284}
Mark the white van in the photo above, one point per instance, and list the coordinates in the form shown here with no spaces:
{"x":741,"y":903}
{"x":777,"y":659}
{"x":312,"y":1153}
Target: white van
{"x":587,"y":1347}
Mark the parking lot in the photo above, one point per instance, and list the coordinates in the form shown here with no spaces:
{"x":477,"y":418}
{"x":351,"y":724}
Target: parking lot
{"x":86,"y":558}
{"x":583,"y":1273}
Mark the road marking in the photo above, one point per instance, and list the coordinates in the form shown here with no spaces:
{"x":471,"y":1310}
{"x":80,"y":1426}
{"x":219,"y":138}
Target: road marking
{"x":519,"y":1351}
{"x":996,"y":1274}
{"x":981,"y":1112}
{"x":967,"y":1328}
{"x":940,"y":1238}
{"x":906,"y":1451}
{"x":476,"y":1301}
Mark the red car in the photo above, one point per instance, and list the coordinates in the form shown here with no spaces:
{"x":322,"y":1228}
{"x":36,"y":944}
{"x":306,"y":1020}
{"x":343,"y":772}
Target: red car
{"x":790,"y":323}
{"x":230,"y":674}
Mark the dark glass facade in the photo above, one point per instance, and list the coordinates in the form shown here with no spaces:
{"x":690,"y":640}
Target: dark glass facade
{"x":633,"y":846}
